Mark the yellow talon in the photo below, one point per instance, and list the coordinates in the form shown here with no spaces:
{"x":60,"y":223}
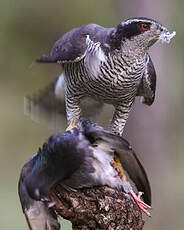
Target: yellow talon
{"x":118,"y":166}
{"x":72,"y":125}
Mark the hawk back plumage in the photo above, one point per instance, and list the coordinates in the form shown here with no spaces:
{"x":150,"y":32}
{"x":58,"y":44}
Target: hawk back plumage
{"x":71,"y":47}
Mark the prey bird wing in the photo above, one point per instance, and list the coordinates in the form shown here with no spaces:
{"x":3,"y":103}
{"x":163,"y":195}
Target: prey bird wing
{"x":148,"y":84}
{"x":136,"y":172}
{"x":128,"y":159}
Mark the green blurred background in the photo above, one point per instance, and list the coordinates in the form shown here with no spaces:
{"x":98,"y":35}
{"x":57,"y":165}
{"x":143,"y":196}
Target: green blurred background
{"x":28,"y":29}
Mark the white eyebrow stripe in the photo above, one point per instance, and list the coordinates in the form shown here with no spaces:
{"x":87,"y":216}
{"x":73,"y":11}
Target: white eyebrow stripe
{"x":135,"y":20}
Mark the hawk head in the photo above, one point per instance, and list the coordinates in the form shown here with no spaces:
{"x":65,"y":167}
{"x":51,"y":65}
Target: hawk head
{"x":142,"y":32}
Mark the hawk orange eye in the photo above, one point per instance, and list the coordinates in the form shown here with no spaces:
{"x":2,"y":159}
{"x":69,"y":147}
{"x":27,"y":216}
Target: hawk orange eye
{"x":145,"y":26}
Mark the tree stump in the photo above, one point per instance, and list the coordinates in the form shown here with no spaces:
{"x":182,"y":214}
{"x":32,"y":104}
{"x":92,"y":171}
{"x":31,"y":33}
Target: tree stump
{"x":97,"y":208}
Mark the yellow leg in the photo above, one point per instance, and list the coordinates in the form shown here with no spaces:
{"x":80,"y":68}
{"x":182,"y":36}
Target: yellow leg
{"x":117,"y":165}
{"x":72,"y":125}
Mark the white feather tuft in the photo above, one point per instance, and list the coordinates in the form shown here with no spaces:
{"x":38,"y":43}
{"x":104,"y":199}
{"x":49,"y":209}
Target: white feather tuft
{"x":166,"y":37}
{"x":94,"y":57}
{"x":60,"y":86}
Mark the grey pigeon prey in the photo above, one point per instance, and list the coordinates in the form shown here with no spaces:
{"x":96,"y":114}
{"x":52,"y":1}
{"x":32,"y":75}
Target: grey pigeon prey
{"x":109,"y":65}
{"x":86,"y":156}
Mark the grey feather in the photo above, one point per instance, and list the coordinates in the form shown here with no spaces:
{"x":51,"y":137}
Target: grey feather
{"x":147,"y":86}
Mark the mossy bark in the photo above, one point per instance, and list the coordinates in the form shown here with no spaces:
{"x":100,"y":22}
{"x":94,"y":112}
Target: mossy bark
{"x":97,"y":208}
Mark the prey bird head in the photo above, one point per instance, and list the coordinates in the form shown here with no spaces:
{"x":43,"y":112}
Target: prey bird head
{"x":142,"y":32}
